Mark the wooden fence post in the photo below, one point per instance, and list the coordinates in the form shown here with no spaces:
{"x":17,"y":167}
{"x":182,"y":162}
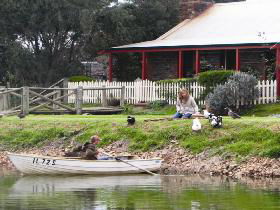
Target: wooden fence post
{"x":122,"y":96}
{"x":2,"y":97}
{"x":65,"y":92}
{"x":104,"y":97}
{"x":79,"y":100}
{"x":25,"y":101}
{"x":55,"y":96}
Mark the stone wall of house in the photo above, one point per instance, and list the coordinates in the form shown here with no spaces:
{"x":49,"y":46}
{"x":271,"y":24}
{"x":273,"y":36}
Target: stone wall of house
{"x":162,"y":65}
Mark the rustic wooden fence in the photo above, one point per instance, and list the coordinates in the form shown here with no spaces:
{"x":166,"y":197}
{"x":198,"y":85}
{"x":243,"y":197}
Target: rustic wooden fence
{"x":148,"y":91}
{"x":34,"y":98}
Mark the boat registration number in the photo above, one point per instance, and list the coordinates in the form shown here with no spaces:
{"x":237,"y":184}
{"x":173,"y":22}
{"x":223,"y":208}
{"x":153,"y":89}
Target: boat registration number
{"x":44,"y":161}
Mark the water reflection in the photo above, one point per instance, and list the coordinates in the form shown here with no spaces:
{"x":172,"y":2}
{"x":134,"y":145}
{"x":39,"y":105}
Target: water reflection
{"x":50,"y":184}
{"x":137,"y":192}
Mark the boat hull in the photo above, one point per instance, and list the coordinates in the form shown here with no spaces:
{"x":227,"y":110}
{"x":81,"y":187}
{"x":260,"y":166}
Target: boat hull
{"x":33,"y":164}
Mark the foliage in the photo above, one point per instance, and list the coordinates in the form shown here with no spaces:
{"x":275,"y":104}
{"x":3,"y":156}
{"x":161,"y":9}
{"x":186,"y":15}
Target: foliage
{"x":249,"y":69}
{"x":45,"y":39}
{"x":240,"y":88}
{"x":80,"y":78}
{"x":131,"y":22}
{"x":215,"y":77}
{"x":211,"y":79}
{"x":269,"y":57}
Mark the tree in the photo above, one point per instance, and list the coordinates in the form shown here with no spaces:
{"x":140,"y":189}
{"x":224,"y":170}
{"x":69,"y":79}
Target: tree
{"x":131,"y":22}
{"x":43,"y":37}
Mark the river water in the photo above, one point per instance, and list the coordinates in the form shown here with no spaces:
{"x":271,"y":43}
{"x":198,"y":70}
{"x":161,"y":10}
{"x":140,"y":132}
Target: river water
{"x":136,"y":192}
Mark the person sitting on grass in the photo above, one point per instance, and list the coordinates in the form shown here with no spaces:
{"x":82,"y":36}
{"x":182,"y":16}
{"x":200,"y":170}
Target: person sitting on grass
{"x":87,"y":151}
{"x":186,"y":105}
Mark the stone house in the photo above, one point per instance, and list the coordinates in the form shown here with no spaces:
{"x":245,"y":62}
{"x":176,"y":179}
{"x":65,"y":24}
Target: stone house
{"x":234,"y":35}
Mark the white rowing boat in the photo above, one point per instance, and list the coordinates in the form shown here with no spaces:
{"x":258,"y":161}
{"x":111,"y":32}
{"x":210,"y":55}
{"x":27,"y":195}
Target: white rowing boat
{"x":34,"y":164}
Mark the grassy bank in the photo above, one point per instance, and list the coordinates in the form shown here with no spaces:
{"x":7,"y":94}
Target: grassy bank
{"x":248,"y":136}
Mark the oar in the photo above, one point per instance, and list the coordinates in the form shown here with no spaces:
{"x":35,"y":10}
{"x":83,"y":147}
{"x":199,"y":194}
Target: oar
{"x":147,"y":171}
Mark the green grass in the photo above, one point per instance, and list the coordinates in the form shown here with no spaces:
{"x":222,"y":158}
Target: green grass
{"x":264,"y":110}
{"x":258,"y":136}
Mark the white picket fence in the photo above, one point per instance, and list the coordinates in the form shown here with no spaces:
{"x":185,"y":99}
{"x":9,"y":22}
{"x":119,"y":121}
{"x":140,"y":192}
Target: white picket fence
{"x":148,"y":91}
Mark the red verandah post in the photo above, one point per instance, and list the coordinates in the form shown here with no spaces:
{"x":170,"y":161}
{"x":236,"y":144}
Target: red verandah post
{"x":278,"y":70}
{"x":197,"y":62}
{"x":144,"y":61}
{"x":180,"y":64}
{"x":237,"y":60}
{"x":110,"y":67}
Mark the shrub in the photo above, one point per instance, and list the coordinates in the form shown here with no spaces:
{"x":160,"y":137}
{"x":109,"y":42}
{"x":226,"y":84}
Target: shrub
{"x":240,"y":87}
{"x":213,"y":78}
{"x":80,"y":78}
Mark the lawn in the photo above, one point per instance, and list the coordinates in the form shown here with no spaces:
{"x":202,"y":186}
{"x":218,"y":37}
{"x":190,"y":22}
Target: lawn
{"x":264,"y":110}
{"x":258,"y":136}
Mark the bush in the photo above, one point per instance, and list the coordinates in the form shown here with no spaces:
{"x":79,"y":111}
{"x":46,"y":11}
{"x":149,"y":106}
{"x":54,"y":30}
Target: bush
{"x":240,"y":87}
{"x":80,"y":78}
{"x":213,"y":78}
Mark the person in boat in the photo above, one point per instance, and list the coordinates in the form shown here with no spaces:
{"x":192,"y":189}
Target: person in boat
{"x":186,"y":105}
{"x":87,"y":151}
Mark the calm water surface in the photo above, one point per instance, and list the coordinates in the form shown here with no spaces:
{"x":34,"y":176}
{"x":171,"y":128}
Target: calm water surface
{"x":136,"y":192}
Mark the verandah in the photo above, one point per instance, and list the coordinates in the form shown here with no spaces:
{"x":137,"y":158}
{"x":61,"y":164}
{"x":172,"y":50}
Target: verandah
{"x":197,"y":58}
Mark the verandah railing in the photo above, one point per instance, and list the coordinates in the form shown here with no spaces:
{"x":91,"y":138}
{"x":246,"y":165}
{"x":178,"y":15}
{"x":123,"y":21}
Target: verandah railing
{"x":148,"y":91}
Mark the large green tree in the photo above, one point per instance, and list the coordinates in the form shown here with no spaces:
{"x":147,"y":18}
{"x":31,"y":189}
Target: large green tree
{"x":45,"y":40}
{"x":42,"y":38}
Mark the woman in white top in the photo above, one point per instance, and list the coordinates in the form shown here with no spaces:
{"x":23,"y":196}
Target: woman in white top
{"x":186,"y":105}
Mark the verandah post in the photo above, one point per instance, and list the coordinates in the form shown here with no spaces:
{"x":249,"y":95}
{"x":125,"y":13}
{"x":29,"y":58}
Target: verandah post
{"x":237,"y":60}
{"x":144,"y":73}
{"x":180,"y":65}
{"x":197,"y":62}
{"x":110,"y":67}
{"x":278,"y":70}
